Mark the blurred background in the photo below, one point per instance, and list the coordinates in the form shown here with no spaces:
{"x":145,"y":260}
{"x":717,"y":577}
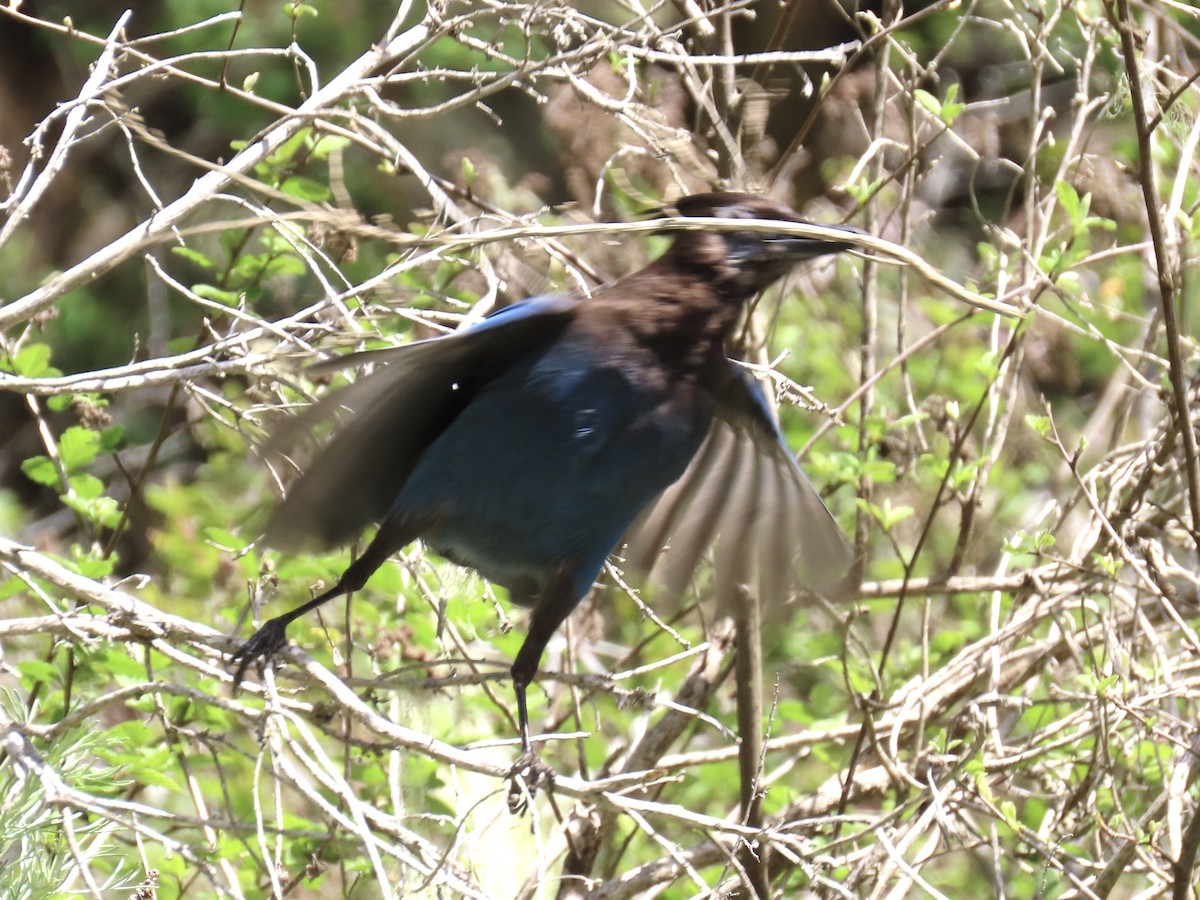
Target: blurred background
{"x":1010,"y":703}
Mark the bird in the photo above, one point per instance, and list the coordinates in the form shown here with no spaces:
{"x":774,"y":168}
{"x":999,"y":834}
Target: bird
{"x":564,"y":430}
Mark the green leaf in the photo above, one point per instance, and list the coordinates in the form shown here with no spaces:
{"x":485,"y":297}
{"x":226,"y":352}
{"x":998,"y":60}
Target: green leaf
{"x":104,"y":511}
{"x":1190,"y":224}
{"x":305,"y":189}
{"x":130,"y":735}
{"x":289,"y":265}
{"x":296,"y":10}
{"x":233,"y":240}
{"x":194,"y":256}
{"x":35,"y":670}
{"x":181,"y":344}
{"x":209,"y":292}
{"x":1040,"y":424}
{"x":904,"y":421}
{"x":41,"y":469}
{"x":224,"y":539}
{"x":862,"y":190}
{"x":111,"y":437}
{"x":328,"y":144}
{"x":948,"y":111}
{"x":286,"y":153}
{"x":121,"y":665}
{"x":78,"y":447}
{"x":928,"y":101}
{"x":153,"y":777}
{"x":881,"y":471}
{"x":1023,"y":542}
{"x":33,"y":361}
{"x":86,"y":486}
{"x":249,"y":266}
{"x":886,"y":515}
{"x":1008,"y":810}
{"x":951,"y":109}
{"x":88,"y":565}
{"x":1108,"y":563}
{"x":1068,"y":198}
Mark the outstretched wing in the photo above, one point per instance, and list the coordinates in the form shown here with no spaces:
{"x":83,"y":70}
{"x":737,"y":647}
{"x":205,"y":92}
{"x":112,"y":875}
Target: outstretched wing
{"x":388,"y":418}
{"x":745,"y":497}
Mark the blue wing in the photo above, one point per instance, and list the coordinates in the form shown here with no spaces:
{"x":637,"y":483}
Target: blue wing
{"x":388,"y":418}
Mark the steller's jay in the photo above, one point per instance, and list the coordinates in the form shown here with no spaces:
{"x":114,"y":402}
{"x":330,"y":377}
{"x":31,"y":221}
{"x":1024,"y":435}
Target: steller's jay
{"x":533,"y":445}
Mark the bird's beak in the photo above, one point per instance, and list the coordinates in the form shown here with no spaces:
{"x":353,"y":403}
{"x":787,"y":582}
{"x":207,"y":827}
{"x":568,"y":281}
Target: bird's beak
{"x":796,"y":249}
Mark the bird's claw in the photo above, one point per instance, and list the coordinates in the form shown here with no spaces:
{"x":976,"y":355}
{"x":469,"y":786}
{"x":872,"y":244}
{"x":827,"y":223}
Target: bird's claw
{"x":261,"y":645}
{"x":527,"y":774}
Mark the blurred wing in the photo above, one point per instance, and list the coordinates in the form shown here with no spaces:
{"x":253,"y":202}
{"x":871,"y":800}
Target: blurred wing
{"x":744,"y":496}
{"x":388,"y":418}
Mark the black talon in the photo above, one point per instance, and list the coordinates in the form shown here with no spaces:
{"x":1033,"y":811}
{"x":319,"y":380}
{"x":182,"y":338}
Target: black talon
{"x":260,"y":647}
{"x":527,"y":775}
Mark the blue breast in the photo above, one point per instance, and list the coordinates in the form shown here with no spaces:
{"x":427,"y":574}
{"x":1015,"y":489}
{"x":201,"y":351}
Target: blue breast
{"x":549,"y":465}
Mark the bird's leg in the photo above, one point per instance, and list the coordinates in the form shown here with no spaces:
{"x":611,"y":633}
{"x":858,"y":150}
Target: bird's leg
{"x":556,"y":602}
{"x":272,"y":636}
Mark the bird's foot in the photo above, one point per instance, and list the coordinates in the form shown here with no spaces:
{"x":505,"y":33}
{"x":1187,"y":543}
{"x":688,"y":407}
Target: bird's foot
{"x":527,"y":774}
{"x":262,"y":645}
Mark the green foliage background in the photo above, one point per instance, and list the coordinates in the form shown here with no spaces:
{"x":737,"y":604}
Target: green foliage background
{"x":1008,"y":708}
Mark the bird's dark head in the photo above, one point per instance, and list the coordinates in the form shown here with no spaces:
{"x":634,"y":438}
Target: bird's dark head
{"x":742,"y":263}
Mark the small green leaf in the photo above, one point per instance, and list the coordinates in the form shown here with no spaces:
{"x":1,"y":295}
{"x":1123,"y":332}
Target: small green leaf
{"x":886,"y":515}
{"x":224,"y":539}
{"x":328,"y":144}
{"x":153,"y":777}
{"x":905,"y":421}
{"x":1008,"y":810}
{"x":41,"y":469}
{"x":78,"y":447}
{"x":289,"y":265}
{"x":111,"y":437}
{"x":1040,"y":424}
{"x":881,"y":471}
{"x":35,"y":670}
{"x":181,"y":344}
{"x":86,"y":486}
{"x":296,"y":10}
{"x":194,"y":256}
{"x":33,"y":361}
{"x":862,"y":190}
{"x":1068,"y":198}
{"x":305,"y":189}
{"x":94,"y":567}
{"x":225,"y":298}
{"x":104,"y":511}
{"x":285,"y":154}
{"x":1108,"y":563}
{"x":1107,"y":683}
{"x":951,"y":109}
{"x":124,"y":666}
{"x":928,"y":101}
